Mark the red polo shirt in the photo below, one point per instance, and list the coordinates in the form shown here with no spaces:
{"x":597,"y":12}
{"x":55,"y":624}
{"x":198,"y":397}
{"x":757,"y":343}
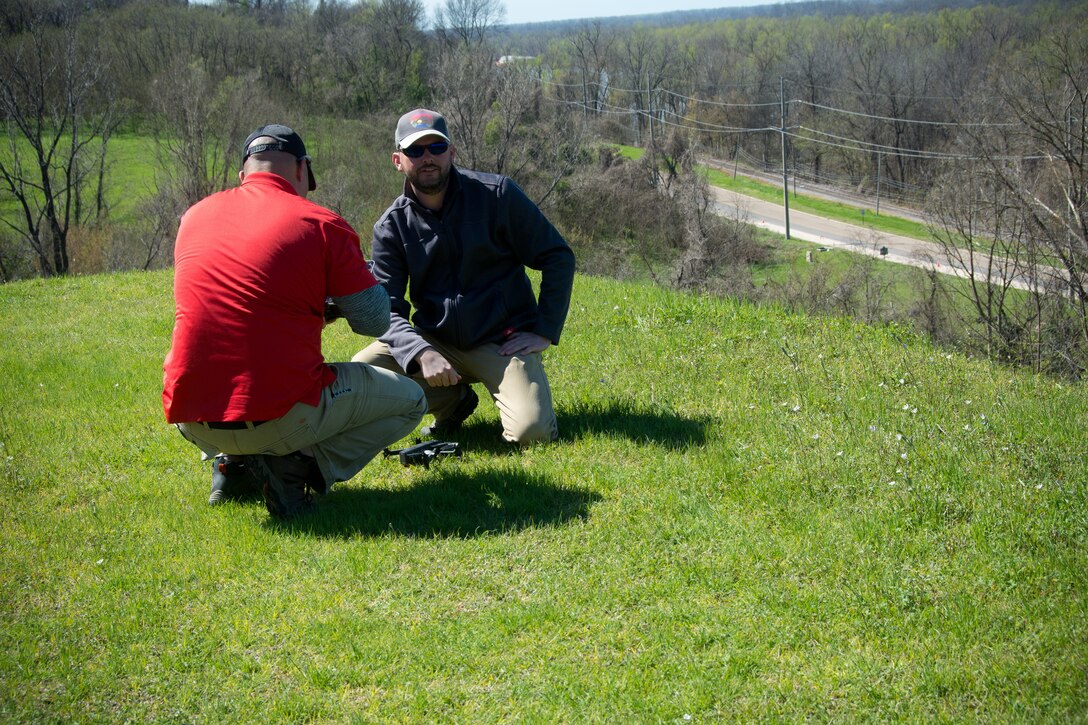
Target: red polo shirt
{"x":252,"y":268}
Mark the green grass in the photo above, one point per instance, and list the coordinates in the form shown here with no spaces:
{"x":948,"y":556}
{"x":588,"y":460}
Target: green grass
{"x":130,"y":178}
{"x":750,"y":515}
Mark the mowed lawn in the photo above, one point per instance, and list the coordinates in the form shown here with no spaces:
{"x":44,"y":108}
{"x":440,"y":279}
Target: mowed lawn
{"x":750,"y":515}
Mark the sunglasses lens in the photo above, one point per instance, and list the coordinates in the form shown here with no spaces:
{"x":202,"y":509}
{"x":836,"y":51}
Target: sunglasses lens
{"x":437,"y":149}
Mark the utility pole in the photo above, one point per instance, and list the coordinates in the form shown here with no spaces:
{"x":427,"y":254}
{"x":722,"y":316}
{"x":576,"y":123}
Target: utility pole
{"x":785,"y":171}
{"x":650,"y":103}
{"x":879,"y":163}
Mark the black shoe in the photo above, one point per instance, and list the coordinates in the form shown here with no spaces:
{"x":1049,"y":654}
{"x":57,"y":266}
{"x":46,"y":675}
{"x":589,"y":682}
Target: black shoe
{"x":287,"y":482}
{"x":452,"y":422}
{"x":232,"y":479}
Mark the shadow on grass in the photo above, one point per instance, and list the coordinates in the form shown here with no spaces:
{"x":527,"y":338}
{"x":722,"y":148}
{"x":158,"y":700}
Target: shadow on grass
{"x":447,"y":504}
{"x":620,"y":418}
{"x":583,"y":419}
{"x":615,"y":418}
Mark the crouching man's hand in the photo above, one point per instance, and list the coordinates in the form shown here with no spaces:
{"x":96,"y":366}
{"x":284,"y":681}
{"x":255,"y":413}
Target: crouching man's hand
{"x":523,"y":343}
{"x":436,"y":369}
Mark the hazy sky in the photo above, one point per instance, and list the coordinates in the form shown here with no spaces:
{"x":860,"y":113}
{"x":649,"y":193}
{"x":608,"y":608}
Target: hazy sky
{"x":535,"y":11}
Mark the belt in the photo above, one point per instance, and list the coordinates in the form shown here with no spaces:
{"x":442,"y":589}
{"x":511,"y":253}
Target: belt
{"x":234,"y":424}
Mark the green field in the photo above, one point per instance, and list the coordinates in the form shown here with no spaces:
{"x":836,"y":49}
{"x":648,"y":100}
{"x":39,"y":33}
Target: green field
{"x":750,"y":515}
{"x":130,"y":177}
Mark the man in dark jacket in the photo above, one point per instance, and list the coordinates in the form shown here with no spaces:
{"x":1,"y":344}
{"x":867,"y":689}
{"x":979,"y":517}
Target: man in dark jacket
{"x":461,"y":241}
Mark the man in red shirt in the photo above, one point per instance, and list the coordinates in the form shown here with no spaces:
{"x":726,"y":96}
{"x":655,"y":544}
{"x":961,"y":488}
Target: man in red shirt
{"x":245,"y":379}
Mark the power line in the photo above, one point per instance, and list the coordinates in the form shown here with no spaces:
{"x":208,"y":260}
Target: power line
{"x":643,"y":91}
{"x":863,"y":94}
{"x":841,"y":142}
{"x":717,"y":103}
{"x":900,"y":152}
{"x":901,"y":120}
{"x":801,"y":101}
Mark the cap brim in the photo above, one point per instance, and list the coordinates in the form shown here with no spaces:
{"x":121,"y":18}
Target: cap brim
{"x":413,"y":137}
{"x":310,"y":172}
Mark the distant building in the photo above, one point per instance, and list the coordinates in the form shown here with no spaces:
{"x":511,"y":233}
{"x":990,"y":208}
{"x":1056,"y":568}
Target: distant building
{"x":509,"y":59}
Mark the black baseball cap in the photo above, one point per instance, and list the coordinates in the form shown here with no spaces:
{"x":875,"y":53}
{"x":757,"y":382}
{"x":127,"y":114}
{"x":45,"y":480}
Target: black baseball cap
{"x":286,"y":140}
{"x":416,"y":124}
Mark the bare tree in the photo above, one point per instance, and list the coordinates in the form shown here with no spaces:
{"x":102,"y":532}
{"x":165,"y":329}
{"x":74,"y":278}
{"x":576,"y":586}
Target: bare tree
{"x":200,"y":126}
{"x":465,"y":88}
{"x":1050,"y":98}
{"x":592,"y":48}
{"x":693,"y":197}
{"x":468,"y":22}
{"x":146,"y":243}
{"x":374,"y":60}
{"x":517,"y":103}
{"x":645,"y":62}
{"x":981,"y":233}
{"x":55,"y":135}
{"x":1021,"y":214}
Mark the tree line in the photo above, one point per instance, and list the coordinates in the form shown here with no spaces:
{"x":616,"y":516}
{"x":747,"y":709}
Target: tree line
{"x":975,"y":113}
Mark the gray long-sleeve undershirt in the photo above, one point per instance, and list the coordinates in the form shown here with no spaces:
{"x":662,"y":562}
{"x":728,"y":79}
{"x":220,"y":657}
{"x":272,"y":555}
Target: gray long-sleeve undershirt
{"x":367,"y":312}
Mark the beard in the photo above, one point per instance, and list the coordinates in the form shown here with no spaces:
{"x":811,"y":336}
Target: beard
{"x":434,"y":183}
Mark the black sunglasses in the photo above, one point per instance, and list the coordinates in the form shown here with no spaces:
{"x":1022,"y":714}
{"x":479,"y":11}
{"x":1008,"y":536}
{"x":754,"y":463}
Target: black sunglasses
{"x":436,"y":148}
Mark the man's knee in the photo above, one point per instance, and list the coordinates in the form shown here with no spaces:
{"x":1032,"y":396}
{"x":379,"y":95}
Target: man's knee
{"x":420,"y":409}
{"x":538,"y":430}
{"x":363,"y":356}
{"x":377,"y":354}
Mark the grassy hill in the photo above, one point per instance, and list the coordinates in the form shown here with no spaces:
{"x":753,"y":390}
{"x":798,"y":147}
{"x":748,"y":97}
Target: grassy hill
{"x":749,"y":515}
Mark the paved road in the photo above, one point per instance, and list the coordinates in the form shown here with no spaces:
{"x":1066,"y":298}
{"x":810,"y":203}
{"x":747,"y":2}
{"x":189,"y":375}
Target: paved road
{"x":821,"y":191}
{"x":831,"y":233}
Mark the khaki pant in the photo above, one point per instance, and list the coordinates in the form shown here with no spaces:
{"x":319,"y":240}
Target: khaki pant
{"x":517,"y":384}
{"x":362,"y":412}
